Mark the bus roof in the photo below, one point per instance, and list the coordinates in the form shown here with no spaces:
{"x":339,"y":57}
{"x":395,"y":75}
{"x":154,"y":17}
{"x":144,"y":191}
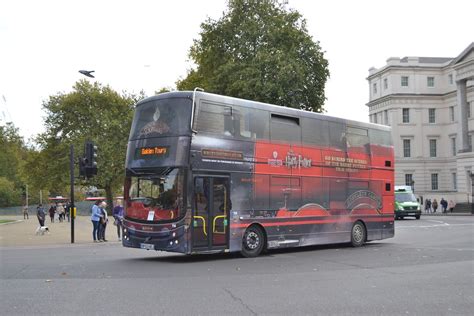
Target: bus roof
{"x":260,"y":105}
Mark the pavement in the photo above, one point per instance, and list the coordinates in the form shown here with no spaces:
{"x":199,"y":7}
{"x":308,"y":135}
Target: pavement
{"x":22,"y":232}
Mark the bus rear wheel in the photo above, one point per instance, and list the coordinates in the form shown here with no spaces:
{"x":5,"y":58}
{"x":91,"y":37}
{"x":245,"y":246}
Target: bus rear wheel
{"x":358,"y":234}
{"x":253,"y":242}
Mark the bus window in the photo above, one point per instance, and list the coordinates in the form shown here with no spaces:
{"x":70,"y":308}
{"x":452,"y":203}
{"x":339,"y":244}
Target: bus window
{"x":315,"y":132}
{"x":250,"y":123}
{"x":337,"y":133}
{"x":215,"y":119}
{"x":285,"y":128}
{"x":161,"y":118}
{"x":357,"y":140}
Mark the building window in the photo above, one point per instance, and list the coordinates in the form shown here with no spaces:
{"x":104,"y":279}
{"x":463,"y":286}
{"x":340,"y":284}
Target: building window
{"x":434,"y":181}
{"x":432,"y":147}
{"x":385,"y":117}
{"x":453,"y":146}
{"x":406,"y":115}
{"x":385,"y":84}
{"x":406,"y":148}
{"x":430,"y":82}
{"x":451,"y":113}
{"x":375,"y":88}
{"x":408,"y":179}
{"x":432,"y":115}
{"x":450,"y":79}
{"x":404,"y":81}
{"x":468,"y":109}
{"x":455,"y":181}
{"x":375,"y":118}
{"x":469,"y":141}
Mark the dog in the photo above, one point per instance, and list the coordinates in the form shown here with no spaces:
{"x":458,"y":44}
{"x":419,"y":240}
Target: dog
{"x":41,"y":230}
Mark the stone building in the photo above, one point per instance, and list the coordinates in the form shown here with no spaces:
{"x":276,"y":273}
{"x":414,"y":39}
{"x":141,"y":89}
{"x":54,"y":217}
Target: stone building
{"x":429,"y":103}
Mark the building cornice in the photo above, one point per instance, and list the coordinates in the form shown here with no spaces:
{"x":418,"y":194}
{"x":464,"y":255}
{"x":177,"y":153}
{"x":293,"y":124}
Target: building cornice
{"x":394,"y":96}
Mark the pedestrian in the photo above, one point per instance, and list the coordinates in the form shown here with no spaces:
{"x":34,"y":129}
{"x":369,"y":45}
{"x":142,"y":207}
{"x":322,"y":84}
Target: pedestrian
{"x":51,"y":212}
{"x":434,"y":205}
{"x":40,"y":214}
{"x":444,"y":205}
{"x":118,"y":217}
{"x":103,"y":221}
{"x":61,"y":212}
{"x":428,"y":206}
{"x":451,"y":205}
{"x":95,"y":218}
{"x":68,"y":211}
{"x":25,"y":212}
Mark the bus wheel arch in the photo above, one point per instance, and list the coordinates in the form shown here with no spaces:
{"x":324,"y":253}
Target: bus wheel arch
{"x":358,"y":233}
{"x":254,"y":240}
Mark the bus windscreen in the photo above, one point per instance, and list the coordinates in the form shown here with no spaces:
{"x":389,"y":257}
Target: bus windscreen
{"x":162,"y":118}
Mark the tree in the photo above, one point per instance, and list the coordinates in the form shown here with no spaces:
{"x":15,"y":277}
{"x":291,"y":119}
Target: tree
{"x":90,"y":112}
{"x":259,"y":51}
{"x":12,"y":154}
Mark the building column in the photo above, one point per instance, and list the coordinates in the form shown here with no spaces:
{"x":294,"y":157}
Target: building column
{"x":462,"y":115}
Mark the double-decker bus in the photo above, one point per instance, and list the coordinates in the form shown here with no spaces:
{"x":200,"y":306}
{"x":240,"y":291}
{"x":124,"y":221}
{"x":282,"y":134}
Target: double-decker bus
{"x":208,"y":173}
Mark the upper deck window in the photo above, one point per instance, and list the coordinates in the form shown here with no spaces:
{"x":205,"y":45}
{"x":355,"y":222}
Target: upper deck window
{"x":215,"y":119}
{"x":163,"y":117}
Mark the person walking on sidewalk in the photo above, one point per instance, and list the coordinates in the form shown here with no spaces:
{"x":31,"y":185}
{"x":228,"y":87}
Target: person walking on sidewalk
{"x":25,"y":212}
{"x":103,"y":221}
{"x":40,"y":214}
{"x":60,"y":210}
{"x":434,"y":205}
{"x":51,"y":211}
{"x":444,"y":205}
{"x":118,"y":217}
{"x":451,"y":205}
{"x":95,"y":218}
{"x":428,"y":206}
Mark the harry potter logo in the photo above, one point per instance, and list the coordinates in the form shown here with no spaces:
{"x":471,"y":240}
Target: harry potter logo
{"x":291,"y":161}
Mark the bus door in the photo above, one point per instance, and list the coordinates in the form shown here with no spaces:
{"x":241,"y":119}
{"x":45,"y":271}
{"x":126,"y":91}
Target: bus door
{"x":211,"y":213}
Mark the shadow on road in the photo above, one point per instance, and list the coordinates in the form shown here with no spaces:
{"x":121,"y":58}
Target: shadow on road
{"x":180,"y":258}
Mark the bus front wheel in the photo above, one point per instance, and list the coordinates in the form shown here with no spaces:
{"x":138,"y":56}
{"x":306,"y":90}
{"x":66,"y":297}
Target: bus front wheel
{"x":253,"y":242}
{"x":358,"y":234}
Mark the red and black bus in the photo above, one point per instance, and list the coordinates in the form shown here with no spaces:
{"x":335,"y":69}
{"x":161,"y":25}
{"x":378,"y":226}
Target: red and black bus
{"x":208,"y":173}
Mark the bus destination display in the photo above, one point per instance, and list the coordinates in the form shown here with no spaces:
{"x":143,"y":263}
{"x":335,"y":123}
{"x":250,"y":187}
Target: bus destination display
{"x":151,"y":152}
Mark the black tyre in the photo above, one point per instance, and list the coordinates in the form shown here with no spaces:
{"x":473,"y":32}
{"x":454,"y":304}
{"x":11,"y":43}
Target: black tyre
{"x":358,"y":234}
{"x":417,"y":216}
{"x":253,"y":242}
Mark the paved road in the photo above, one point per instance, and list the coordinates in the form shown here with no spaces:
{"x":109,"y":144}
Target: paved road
{"x":428,"y":268}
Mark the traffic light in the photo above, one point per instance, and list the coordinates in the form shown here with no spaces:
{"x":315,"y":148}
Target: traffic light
{"x":88,"y":164}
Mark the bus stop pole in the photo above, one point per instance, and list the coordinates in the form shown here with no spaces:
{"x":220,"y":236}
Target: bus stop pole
{"x":71,"y":206}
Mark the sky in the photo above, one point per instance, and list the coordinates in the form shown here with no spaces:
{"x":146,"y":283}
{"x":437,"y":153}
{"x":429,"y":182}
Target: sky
{"x":144,"y":44}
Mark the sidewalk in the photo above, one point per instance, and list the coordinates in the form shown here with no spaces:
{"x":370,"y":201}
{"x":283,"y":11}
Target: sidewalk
{"x":23,"y":232}
{"x":446,"y":214}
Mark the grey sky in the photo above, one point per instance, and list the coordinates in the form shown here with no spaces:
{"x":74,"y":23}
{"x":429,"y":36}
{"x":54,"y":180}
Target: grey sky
{"x":135,"y":45}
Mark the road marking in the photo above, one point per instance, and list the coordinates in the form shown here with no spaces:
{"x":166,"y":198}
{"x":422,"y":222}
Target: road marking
{"x":430,"y":226}
{"x":432,"y":220}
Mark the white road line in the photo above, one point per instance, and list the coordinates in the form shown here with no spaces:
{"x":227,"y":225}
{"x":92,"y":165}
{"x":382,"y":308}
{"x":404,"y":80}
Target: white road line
{"x":430,"y":226}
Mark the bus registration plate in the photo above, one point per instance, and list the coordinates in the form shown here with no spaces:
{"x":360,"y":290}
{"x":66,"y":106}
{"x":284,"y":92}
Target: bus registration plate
{"x":147,"y":246}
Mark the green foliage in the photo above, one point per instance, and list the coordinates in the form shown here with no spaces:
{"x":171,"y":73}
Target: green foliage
{"x":12,"y":154}
{"x":90,"y":112}
{"x":259,"y":51}
{"x":8,"y":194}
